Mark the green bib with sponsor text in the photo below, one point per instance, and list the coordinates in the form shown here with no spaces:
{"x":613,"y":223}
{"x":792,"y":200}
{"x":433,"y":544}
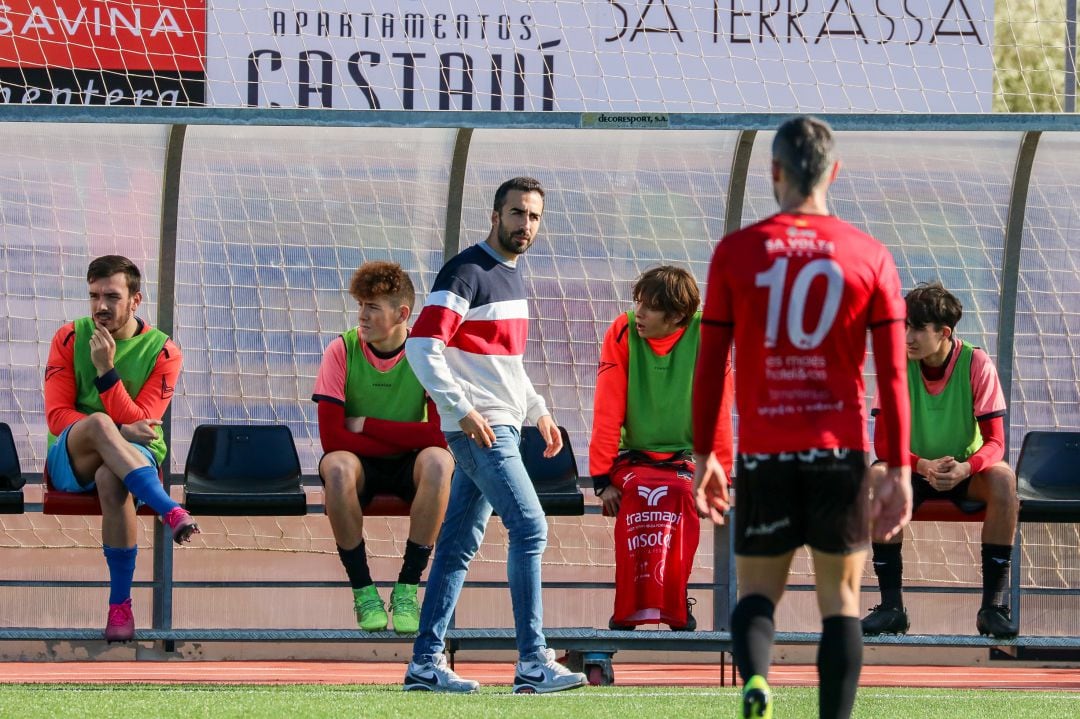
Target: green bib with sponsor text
{"x":134,"y":361}
{"x":944,"y":425}
{"x":658,"y":392}
{"x":394,"y":395}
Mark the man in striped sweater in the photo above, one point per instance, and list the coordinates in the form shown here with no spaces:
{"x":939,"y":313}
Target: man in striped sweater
{"x":467,"y":349}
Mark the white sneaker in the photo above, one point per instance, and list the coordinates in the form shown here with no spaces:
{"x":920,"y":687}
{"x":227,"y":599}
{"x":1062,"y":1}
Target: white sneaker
{"x":436,"y":676}
{"x":541,"y":674}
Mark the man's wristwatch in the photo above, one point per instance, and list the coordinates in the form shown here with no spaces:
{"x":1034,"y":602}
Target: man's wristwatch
{"x":600,"y":482}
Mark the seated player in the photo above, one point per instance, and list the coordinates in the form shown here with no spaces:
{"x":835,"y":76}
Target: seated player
{"x":108,"y":381}
{"x":381,"y":435}
{"x":957,"y":446}
{"x":642,"y":442}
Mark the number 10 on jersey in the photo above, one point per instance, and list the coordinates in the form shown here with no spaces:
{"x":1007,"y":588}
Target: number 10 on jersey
{"x":775,"y":279}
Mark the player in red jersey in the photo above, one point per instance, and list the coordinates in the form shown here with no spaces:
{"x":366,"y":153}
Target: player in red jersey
{"x":797,"y":293}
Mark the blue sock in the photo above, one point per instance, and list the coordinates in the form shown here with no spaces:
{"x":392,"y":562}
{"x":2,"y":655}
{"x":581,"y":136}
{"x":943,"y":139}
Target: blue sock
{"x":146,"y":486}
{"x":121,"y":561}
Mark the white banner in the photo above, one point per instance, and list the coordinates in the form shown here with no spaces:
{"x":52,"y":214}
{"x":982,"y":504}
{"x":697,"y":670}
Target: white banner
{"x":603,"y":55}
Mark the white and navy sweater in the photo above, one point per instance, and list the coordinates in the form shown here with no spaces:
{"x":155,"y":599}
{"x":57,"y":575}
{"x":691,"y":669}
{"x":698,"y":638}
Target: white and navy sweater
{"x":468,"y":345}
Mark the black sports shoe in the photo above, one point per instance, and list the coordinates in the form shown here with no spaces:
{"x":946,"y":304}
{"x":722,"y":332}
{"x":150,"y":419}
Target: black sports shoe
{"x":885,"y":620}
{"x":616,"y":627}
{"x":996,"y":621}
{"x":691,"y":623}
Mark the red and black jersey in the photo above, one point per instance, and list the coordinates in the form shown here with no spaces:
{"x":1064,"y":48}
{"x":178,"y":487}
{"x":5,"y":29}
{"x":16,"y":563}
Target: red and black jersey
{"x":797,"y":293}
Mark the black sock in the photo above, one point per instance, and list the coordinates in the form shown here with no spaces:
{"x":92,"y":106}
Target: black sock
{"x":996,"y":562}
{"x":752,"y":631}
{"x":839,"y":664}
{"x":414,"y":563}
{"x":355,"y":561}
{"x":889,"y":567}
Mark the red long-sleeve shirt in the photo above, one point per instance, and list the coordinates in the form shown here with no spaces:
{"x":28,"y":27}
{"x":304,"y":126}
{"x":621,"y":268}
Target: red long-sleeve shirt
{"x":609,"y":406}
{"x":797,"y":293}
{"x":61,"y":391}
{"x":988,"y":407}
{"x":380,"y":437}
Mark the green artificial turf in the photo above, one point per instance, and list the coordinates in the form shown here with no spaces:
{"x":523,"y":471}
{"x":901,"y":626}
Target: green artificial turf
{"x":127,"y":701}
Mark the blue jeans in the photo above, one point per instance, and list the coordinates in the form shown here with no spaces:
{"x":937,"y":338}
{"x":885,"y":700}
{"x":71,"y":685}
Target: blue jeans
{"x":485,"y":478}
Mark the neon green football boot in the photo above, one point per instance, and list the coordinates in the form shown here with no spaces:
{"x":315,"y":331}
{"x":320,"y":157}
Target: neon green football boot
{"x":370,"y":612}
{"x":756,"y":699}
{"x":405,"y":608}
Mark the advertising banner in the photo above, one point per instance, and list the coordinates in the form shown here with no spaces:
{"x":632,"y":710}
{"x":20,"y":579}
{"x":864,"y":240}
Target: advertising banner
{"x":603,"y":55}
{"x":98,"y":52}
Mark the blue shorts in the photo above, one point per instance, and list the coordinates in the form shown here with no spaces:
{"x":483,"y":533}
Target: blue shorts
{"x":58,"y":465}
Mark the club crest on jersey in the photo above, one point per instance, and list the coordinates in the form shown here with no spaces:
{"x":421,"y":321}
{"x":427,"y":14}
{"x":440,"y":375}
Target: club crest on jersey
{"x":652,"y":497}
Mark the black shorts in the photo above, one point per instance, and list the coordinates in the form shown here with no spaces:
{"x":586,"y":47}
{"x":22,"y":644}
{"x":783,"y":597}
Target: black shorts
{"x":817,"y":497}
{"x":921,"y":490}
{"x":387,"y":475}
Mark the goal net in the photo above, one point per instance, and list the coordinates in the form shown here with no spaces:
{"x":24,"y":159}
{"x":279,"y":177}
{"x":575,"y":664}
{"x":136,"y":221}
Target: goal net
{"x":271,"y":221}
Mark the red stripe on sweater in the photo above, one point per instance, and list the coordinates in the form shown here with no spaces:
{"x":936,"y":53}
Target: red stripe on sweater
{"x":436,"y":322}
{"x":492,"y":337}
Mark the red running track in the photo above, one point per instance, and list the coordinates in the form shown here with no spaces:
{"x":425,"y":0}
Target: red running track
{"x":266,"y":672}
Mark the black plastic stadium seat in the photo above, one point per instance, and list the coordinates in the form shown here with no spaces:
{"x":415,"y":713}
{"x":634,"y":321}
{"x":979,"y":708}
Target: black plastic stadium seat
{"x":1048,"y":477}
{"x":11,"y":479}
{"x":243,"y":470}
{"x":555,"y":479}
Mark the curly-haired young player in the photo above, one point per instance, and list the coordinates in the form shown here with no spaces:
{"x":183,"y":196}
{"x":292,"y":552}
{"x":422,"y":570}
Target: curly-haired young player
{"x":380,"y":433}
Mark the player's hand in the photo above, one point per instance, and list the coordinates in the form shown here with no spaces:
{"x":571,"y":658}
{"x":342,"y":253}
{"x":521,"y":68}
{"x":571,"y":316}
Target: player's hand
{"x":141,"y":432}
{"x":477,"y":429}
{"x":711,"y":487}
{"x":930,"y":467}
{"x":551,"y":434}
{"x":890,"y":503}
{"x":611,"y":496}
{"x":949,"y":475}
{"x":355,"y":424}
{"x":102,"y":349}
